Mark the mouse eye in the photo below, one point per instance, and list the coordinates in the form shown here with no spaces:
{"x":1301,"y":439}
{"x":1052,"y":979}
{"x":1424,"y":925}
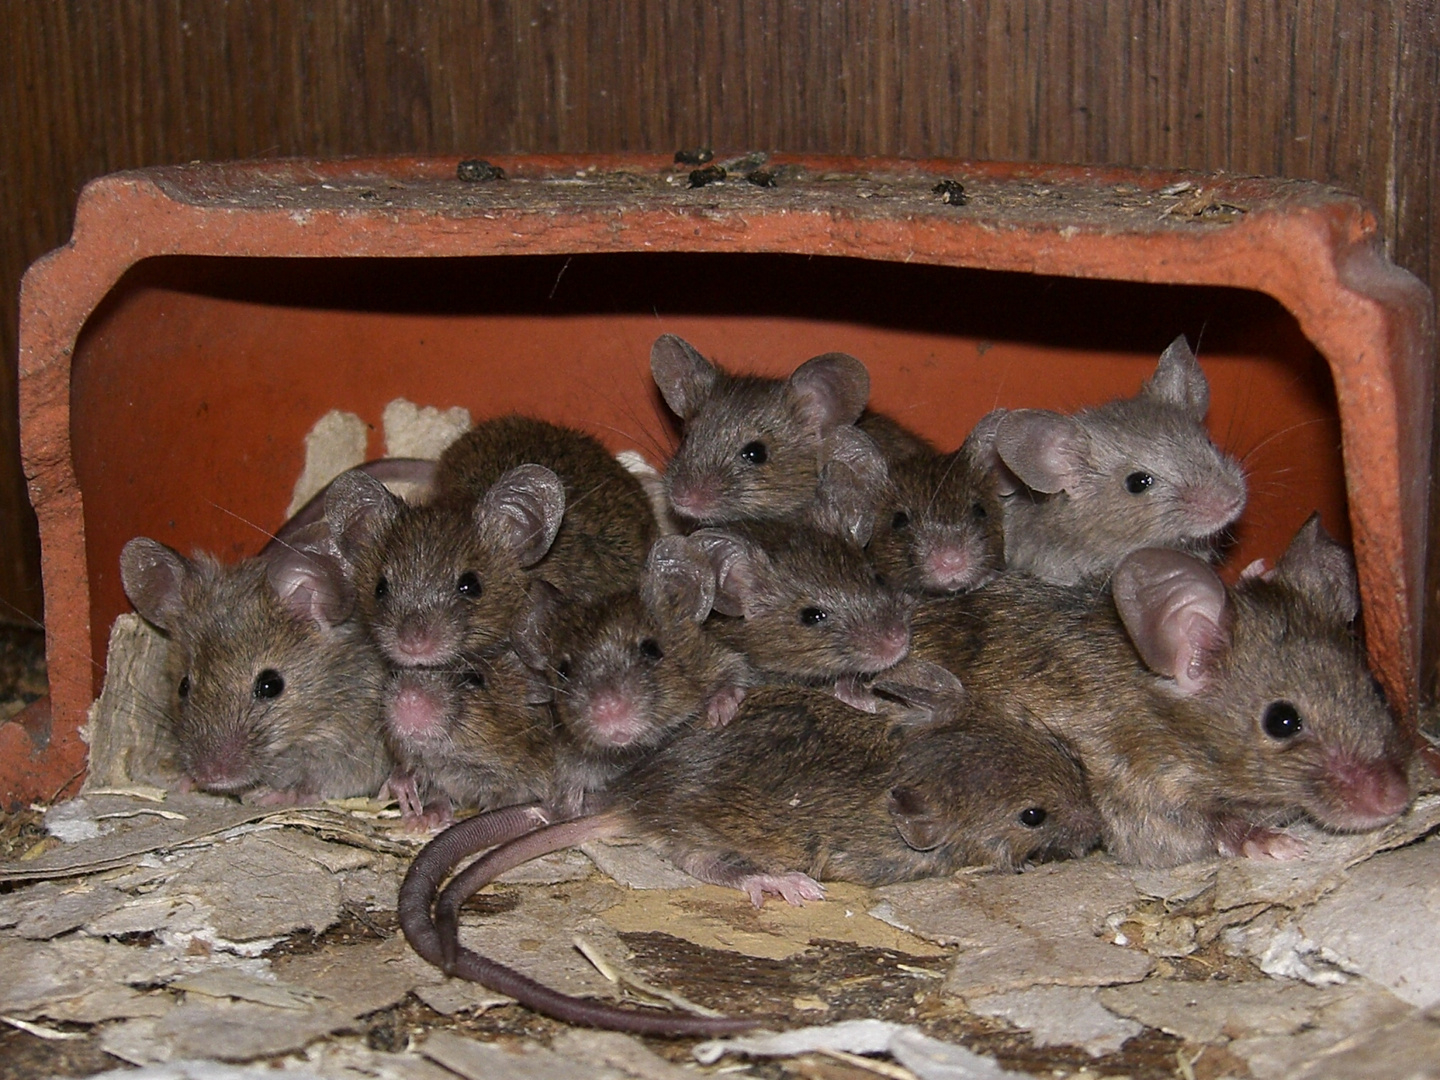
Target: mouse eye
{"x":901,"y":520}
{"x":468,"y":585}
{"x":1138,"y":482}
{"x":184,"y":687}
{"x":650,"y":649}
{"x":1033,"y":817}
{"x":563,"y":668}
{"x":382,"y":588}
{"x":812,"y":616}
{"x":475,"y":680}
{"x":269,"y":684}
{"x":755,"y":453}
{"x":978,"y":512}
{"x":1282,"y":720}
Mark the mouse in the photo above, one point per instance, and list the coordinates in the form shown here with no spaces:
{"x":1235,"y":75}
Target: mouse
{"x":939,"y":519}
{"x":801,"y":788}
{"x":752,"y":447}
{"x":447,"y":579}
{"x":1208,"y":718}
{"x":1081,"y":491}
{"x":279,"y":697}
{"x":415,"y":475}
{"x":629,"y":671}
{"x":480,"y":735}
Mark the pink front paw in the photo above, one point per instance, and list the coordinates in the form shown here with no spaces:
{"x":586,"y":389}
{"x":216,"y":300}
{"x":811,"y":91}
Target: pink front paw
{"x":723,"y":705}
{"x":1260,"y":842}
{"x":795,"y":887}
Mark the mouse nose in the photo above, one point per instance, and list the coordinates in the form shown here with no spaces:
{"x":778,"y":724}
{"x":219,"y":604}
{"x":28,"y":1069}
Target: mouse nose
{"x":948,"y":565}
{"x":1370,"y":793}
{"x":694,"y":499}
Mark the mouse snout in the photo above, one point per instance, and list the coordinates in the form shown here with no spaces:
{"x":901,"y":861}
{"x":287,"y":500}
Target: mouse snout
{"x":949,"y":562}
{"x":223,"y":766}
{"x":1365,"y":794}
{"x":696,"y":499}
{"x":883,"y":645}
{"x":1213,"y":503}
{"x":414,"y":711}
{"x":418,"y":642}
{"x":615,"y":717}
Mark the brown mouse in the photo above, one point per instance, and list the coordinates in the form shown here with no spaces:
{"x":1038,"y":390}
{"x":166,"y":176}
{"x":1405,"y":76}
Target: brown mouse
{"x":752,"y":447}
{"x":1207,"y":718}
{"x":801,"y":787}
{"x":447,"y":579}
{"x":630,"y":670}
{"x":1082,"y":491}
{"x":279,"y":700}
{"x":939,"y":520}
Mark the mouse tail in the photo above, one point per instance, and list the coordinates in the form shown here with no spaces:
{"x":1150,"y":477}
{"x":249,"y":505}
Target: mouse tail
{"x":455,"y":959}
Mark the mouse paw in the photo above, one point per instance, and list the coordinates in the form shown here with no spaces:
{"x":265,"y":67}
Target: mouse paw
{"x":856,"y":694}
{"x":795,"y":888}
{"x":273,"y":797}
{"x":1260,"y":842}
{"x":723,"y":705}
{"x":402,"y":788}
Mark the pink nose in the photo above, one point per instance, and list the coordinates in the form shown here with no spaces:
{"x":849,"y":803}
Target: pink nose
{"x":614,"y":718}
{"x":948,"y":567}
{"x":1371,"y":791}
{"x":694,"y":499}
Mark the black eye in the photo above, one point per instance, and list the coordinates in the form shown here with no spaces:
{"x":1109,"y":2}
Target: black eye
{"x":1282,"y":720}
{"x":1138,"y":482}
{"x":812,"y":616}
{"x":650,"y":649}
{"x":468,"y":584}
{"x":563,"y":669}
{"x":755,"y":453}
{"x":978,"y":512}
{"x":1032,"y":817}
{"x":473,"y":679}
{"x":269,"y":684}
{"x":382,"y":589}
{"x":184,"y":687}
{"x":901,"y":520}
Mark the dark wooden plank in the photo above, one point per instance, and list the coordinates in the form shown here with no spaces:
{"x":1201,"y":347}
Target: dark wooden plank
{"x":1348,"y":94}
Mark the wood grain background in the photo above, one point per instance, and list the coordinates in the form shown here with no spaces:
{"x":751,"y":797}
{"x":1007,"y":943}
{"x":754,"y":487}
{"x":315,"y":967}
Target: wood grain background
{"x":1345,"y":93}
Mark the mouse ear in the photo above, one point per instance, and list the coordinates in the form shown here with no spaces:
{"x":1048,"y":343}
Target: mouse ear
{"x":1045,"y":450}
{"x":934,"y":692}
{"x":526,"y":505}
{"x":852,"y":480}
{"x":1173,"y":607}
{"x":685,"y":378}
{"x":979,"y":447}
{"x":153,"y":576}
{"x":1179,"y":380}
{"x":831,"y":389}
{"x":358,"y":508}
{"x":530,"y":632}
{"x":678,"y":579}
{"x":310,"y":576}
{"x":917,"y":822}
{"x":739,"y":568}
{"x":1321,"y":570}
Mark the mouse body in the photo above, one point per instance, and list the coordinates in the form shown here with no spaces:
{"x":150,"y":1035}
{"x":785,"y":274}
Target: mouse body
{"x":752,"y":447}
{"x":1082,"y":491}
{"x":446,"y":580}
{"x":1207,"y":718}
{"x":279,"y":700}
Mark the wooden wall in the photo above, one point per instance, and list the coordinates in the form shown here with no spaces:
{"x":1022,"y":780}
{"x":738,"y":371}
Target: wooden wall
{"x":1345,"y":93}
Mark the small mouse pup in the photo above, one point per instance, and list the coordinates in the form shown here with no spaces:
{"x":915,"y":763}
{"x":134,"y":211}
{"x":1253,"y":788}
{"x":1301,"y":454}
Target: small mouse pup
{"x":279,"y":700}
{"x":1207,"y":718}
{"x":1082,"y":491}
{"x":800,"y":787}
{"x":516,"y":499}
{"x":752,"y":447}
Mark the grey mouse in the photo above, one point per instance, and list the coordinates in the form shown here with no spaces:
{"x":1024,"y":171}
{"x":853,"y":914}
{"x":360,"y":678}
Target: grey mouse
{"x":1082,"y":491}
{"x":801,"y":787}
{"x":279,"y":700}
{"x":1207,"y":718}
{"x":447,"y":579}
{"x":752,"y":447}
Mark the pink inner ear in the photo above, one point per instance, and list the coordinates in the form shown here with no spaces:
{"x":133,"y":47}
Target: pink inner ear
{"x":1045,"y":450}
{"x":310,"y":590}
{"x":527,"y":503}
{"x":1172,"y":605}
{"x":831,"y":390}
{"x":683,"y":376}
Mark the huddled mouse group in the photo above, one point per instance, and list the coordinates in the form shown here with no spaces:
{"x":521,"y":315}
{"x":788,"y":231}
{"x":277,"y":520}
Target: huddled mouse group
{"x":817,"y":648}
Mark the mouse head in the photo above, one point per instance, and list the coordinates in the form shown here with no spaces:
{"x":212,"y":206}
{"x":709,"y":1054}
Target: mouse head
{"x":444,"y":580}
{"x":939,"y":525}
{"x":1289,"y":705}
{"x":993,"y":786}
{"x":267,"y":650}
{"x":1139,"y":472}
{"x":752,"y":447}
{"x":808,"y":602}
{"x":628,"y":669}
